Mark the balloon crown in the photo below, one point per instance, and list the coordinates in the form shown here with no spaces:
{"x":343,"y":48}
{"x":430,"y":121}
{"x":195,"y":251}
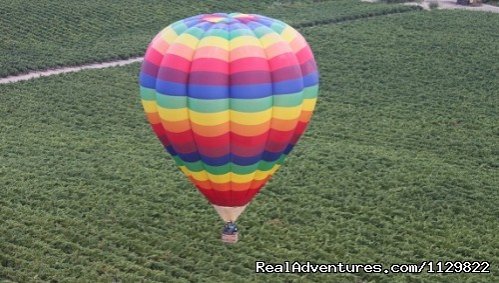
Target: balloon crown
{"x":227,"y":18}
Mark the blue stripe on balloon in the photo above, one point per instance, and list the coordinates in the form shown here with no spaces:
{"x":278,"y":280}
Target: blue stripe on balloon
{"x":189,"y":157}
{"x":171,"y":88}
{"x":239,"y":160}
{"x":147,"y":80}
{"x":170,"y":150}
{"x":251,"y":91}
{"x":311,"y":79}
{"x":208,"y":91}
{"x":288,"y":86}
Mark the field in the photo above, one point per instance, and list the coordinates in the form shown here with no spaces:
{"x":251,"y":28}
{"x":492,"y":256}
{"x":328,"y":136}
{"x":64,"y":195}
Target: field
{"x":42,"y":34}
{"x":399,"y":164}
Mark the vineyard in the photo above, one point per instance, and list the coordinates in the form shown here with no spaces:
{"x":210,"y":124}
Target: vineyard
{"x":44,"y":34}
{"x":399,"y":164}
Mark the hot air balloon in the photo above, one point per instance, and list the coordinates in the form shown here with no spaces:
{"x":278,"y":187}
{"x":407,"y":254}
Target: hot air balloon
{"x":229,"y":95}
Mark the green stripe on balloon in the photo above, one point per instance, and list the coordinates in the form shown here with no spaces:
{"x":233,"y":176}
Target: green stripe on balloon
{"x":310,"y":92}
{"x":195,"y":31}
{"x":198,"y":166}
{"x":236,"y":104}
{"x":216,"y":32}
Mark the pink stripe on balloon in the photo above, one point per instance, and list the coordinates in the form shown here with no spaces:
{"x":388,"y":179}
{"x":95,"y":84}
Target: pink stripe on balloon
{"x":248,"y":64}
{"x":210,"y":65}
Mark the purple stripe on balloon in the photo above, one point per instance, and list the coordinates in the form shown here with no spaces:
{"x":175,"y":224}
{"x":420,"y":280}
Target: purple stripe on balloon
{"x":250,"y":77}
{"x":308,"y":67}
{"x":290,"y":74}
{"x":286,"y":73}
{"x":149,"y":68}
{"x":172,"y":75}
{"x":209,"y":78}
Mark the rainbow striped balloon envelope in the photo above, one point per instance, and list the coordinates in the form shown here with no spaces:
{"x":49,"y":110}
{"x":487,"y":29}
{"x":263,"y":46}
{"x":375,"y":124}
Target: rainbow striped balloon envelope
{"x":229,"y":95}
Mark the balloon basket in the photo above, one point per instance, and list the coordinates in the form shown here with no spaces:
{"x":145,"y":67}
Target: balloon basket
{"x":230,"y":233}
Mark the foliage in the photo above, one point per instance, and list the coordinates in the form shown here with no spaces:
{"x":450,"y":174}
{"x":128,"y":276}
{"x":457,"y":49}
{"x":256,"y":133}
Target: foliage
{"x":399,"y":165}
{"x":433,"y":4}
{"x":44,"y":34}
{"x":491,"y":2}
{"x":398,"y":1}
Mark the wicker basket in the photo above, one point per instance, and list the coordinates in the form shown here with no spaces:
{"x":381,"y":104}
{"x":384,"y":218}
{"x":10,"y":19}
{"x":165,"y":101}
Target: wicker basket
{"x":230,"y":238}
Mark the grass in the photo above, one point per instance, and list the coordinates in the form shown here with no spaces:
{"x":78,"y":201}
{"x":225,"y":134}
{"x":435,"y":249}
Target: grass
{"x":42,"y":34}
{"x":399,"y":165}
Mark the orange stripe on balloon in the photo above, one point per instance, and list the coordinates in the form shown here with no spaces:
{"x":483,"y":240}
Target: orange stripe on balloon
{"x":211,"y":52}
{"x":247,"y":51}
{"x":210,"y":131}
{"x":297,"y":44}
{"x":277,"y":49}
{"x":243,"y":130}
{"x":230,"y":186}
{"x":153,"y":118}
{"x":181,"y":50}
{"x":249,"y":130}
{"x":176,"y":126}
{"x":283,"y":125}
{"x":160,"y":45}
{"x":305,"y":116}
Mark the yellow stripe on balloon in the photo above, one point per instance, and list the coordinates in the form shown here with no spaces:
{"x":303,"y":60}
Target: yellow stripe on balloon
{"x":188,"y":40}
{"x":286,"y":113}
{"x":169,"y":35}
{"x":149,"y":106}
{"x":255,"y":118}
{"x":288,"y":34}
{"x":270,"y":39}
{"x":173,"y":115}
{"x":309,"y":104}
{"x":240,"y":41}
{"x":260,"y":175}
{"x":203,"y":175}
{"x":242,"y":118}
{"x":244,"y":41}
{"x":209,"y":119}
{"x":214,"y":41}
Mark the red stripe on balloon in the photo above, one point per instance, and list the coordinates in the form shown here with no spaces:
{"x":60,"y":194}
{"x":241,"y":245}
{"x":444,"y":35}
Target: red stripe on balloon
{"x":210,"y":65}
{"x":153,"y":56}
{"x":300,"y":129}
{"x":203,"y":141}
{"x":214,"y":151}
{"x":160,"y":133}
{"x":249,"y":64}
{"x":304,"y":55}
{"x":176,"y":62}
{"x":227,"y":197}
{"x":246,"y":151}
{"x":284,"y":60}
